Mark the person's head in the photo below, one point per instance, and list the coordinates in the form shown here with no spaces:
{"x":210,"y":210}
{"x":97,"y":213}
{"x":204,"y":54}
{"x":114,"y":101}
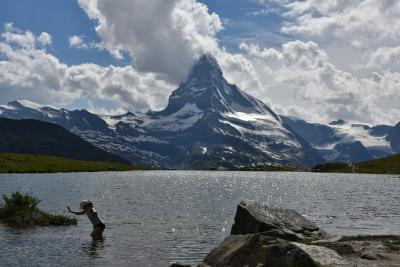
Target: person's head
{"x":85,"y":204}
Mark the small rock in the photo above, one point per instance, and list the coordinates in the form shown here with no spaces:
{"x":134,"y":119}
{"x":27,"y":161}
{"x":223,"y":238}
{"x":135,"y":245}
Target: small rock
{"x":368,"y":255}
{"x":345,"y":249}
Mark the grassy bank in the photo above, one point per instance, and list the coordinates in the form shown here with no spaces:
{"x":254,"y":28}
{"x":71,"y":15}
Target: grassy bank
{"x":270,"y":168}
{"x":26,"y":163}
{"x":21,"y":210}
{"x":387,"y":165}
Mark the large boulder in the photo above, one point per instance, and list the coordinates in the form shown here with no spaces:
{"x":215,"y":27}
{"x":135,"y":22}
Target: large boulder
{"x":266,"y":237}
{"x":252,"y":217}
{"x":263,"y":250}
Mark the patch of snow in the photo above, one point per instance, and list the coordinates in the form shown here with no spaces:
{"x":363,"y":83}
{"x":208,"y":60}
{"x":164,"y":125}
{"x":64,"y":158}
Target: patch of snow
{"x":29,"y":104}
{"x":109,"y":120}
{"x":143,"y":138}
{"x":184,"y":118}
{"x":331,"y":155}
{"x":203,"y":150}
{"x":252,"y":117}
{"x":230,"y":148}
{"x":273,"y":155}
{"x":260,"y":129}
{"x":353,"y":133}
{"x":5,"y":107}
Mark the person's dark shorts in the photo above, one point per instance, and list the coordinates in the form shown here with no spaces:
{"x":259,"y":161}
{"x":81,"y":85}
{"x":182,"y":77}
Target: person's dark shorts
{"x":101,"y":225}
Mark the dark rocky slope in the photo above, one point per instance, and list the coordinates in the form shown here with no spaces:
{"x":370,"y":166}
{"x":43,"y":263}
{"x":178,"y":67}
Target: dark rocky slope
{"x":37,"y":137}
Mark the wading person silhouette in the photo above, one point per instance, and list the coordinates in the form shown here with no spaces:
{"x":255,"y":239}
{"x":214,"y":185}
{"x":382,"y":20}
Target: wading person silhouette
{"x":98,"y":224}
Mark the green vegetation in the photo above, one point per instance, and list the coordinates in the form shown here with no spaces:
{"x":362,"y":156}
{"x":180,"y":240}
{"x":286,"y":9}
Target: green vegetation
{"x":387,"y":165}
{"x":393,"y":245}
{"x":19,"y":201}
{"x":369,"y":238}
{"x":22,"y":210}
{"x":333,"y":167}
{"x":27,"y":163}
{"x":270,"y":168}
{"x":342,"y":247}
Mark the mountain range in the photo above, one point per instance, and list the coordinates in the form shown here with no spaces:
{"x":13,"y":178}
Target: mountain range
{"x":341,"y":141}
{"x":209,"y":123}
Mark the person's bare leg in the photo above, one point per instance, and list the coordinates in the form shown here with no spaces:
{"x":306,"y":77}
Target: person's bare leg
{"x":97,"y":233}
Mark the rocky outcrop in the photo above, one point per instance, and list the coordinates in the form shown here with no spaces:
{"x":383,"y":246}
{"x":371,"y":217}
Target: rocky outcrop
{"x":263,"y":236}
{"x":263,"y":250}
{"x":366,"y":250}
{"x":253,"y":217}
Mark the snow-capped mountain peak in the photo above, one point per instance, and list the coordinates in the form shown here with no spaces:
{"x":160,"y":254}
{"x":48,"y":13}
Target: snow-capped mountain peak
{"x":208,"y":89}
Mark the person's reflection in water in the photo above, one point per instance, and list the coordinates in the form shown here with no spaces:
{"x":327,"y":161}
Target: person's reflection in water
{"x":92,"y":249}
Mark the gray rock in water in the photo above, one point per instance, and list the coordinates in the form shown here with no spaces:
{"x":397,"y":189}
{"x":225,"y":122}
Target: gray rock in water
{"x":263,"y":250}
{"x":252,"y":217}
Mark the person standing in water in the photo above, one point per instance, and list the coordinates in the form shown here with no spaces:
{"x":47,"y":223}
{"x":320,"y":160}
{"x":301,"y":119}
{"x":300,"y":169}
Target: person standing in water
{"x":98,"y":224}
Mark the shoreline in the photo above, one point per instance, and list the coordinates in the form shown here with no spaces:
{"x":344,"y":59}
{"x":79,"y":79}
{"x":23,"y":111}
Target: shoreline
{"x":31,"y":163}
{"x":395,"y":175}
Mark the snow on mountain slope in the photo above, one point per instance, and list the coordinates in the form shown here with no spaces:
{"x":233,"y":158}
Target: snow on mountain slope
{"x":180,"y":120}
{"x":344,"y":141}
{"x":355,"y":132}
{"x":184,"y":118}
{"x":27,"y":104}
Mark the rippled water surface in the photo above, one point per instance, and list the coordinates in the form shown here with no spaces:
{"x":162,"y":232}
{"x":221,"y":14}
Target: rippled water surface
{"x":156,"y":217}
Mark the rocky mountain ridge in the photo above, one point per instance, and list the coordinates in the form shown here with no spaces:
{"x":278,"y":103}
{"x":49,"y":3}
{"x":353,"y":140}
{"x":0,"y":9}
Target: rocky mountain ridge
{"x":341,"y":141}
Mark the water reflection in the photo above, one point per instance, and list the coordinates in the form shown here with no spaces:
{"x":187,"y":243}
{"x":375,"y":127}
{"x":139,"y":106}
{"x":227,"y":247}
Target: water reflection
{"x":94,"y":248}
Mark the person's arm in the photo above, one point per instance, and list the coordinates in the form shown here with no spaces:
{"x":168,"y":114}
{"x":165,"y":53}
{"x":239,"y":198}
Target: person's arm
{"x":76,"y":212}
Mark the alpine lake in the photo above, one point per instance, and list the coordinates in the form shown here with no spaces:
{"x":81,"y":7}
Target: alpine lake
{"x":156,"y":217}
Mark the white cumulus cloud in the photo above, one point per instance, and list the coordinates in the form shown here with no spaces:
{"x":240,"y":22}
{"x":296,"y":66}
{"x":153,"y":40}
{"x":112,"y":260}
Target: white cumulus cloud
{"x":362,"y":22}
{"x":29,"y":72}
{"x":45,"y":39}
{"x":160,"y":36}
{"x":384,"y":57}
{"x":76,"y":41}
{"x":302,"y":81}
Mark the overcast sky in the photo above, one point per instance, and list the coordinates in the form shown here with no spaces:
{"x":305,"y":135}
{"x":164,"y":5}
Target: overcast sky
{"x":320,"y":60}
